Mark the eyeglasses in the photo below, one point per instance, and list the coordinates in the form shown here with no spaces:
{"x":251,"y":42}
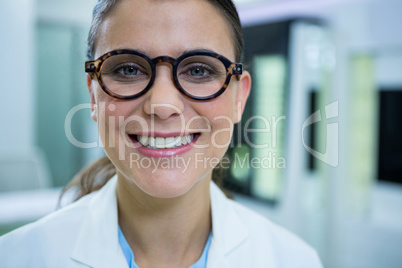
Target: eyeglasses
{"x":129,"y":74}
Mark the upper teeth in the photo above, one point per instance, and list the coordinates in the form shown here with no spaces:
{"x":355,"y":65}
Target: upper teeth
{"x":164,"y":143}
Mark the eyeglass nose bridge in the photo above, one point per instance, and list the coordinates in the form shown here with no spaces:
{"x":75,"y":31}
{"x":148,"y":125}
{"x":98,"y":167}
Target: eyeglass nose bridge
{"x":173,"y":62}
{"x":164,"y":59}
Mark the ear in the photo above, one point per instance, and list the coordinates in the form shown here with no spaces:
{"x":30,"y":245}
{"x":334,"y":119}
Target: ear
{"x":243,"y":92}
{"x":94,"y":107}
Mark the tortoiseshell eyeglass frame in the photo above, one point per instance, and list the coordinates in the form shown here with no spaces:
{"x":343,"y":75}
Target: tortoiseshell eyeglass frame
{"x":93,"y":68}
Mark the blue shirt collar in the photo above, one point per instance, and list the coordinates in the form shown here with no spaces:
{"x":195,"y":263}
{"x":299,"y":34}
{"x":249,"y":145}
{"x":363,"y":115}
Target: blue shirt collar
{"x":128,"y":253}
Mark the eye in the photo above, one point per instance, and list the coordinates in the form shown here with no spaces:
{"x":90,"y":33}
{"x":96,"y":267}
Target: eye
{"x":129,"y":70}
{"x":198,"y":71}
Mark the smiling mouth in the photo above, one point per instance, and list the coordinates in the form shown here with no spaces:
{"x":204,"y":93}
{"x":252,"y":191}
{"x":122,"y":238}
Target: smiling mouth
{"x":151,"y":142}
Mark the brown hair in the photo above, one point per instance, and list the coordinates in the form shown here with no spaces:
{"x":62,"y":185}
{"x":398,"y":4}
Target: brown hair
{"x":96,"y":175}
{"x":226,"y":7}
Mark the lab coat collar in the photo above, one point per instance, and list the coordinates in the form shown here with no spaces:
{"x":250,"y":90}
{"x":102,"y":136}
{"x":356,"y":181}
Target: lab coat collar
{"x":228,"y":230}
{"x":98,"y":246}
{"x":229,"y":233}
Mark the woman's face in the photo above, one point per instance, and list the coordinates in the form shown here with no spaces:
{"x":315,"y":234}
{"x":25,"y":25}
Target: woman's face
{"x":169,"y":28}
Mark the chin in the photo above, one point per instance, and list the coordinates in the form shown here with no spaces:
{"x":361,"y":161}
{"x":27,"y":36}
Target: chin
{"x":167,"y":184}
{"x":162,"y":190}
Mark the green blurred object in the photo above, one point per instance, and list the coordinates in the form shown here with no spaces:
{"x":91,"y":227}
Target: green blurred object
{"x":363,"y":122}
{"x":10,"y":227}
{"x":60,"y":86}
{"x":240,"y":166}
{"x":270,"y":79}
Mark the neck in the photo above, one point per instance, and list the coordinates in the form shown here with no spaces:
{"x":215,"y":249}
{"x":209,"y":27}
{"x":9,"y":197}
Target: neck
{"x":164,"y":231}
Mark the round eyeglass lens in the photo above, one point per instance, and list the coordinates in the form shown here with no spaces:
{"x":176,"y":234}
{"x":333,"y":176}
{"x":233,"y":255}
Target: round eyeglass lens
{"x":126,"y":74}
{"x":201,"y":75}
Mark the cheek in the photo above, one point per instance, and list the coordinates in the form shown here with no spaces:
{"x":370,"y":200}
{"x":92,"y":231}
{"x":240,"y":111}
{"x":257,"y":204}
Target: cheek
{"x":221,"y":117}
{"x":108,"y":119}
{"x":111,"y":115}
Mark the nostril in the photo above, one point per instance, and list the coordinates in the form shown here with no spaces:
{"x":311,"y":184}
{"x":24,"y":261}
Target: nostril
{"x":164,"y":103}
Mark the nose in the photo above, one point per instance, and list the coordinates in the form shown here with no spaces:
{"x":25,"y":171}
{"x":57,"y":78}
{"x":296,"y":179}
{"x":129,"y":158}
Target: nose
{"x":163,"y":100}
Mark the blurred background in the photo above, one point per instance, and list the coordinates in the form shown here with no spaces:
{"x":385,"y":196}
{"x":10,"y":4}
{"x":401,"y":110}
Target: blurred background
{"x":326,"y":77}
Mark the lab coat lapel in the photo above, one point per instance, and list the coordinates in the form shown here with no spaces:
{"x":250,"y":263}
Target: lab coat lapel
{"x":227,"y":230}
{"x":216,"y":257}
{"x":97,"y":244}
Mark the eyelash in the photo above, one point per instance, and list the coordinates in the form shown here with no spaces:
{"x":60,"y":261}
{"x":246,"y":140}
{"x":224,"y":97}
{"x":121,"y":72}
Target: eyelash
{"x":206,"y":67}
{"x":122,"y":66}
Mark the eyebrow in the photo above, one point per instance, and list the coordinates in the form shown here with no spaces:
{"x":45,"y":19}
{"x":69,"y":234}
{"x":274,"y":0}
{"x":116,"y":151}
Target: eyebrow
{"x":197,"y":49}
{"x":178,"y":55}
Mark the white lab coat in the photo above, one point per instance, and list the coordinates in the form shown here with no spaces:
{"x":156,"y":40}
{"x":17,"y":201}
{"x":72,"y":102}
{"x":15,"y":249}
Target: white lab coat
{"x":84,"y":234}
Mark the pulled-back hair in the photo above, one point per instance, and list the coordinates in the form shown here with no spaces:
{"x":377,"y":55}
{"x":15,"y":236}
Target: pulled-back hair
{"x":226,"y":7}
{"x":96,"y":175}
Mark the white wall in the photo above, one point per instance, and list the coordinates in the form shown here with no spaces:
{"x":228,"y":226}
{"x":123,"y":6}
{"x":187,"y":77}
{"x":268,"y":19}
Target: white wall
{"x":72,"y":12}
{"x":17,"y":47}
{"x":62,"y":31}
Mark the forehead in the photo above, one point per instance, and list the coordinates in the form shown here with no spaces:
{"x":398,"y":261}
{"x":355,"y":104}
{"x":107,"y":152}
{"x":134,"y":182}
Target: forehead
{"x":165,"y":27}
